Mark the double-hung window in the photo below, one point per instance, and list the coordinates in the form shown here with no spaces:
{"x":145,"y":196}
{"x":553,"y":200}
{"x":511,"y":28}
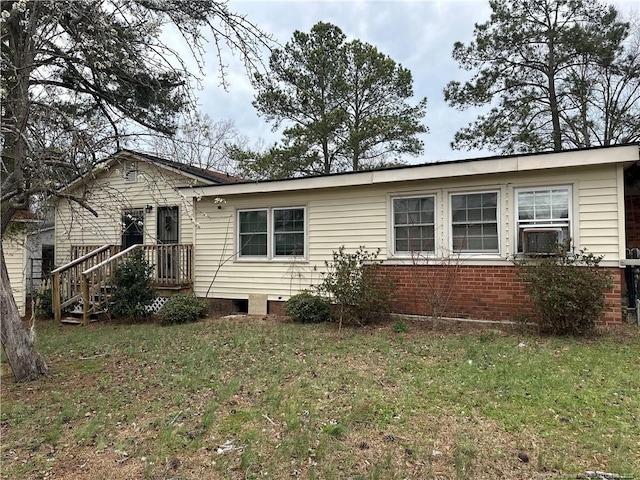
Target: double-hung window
{"x":474,"y":222}
{"x":413,"y":224}
{"x":288,"y":232}
{"x":270,"y":233}
{"x":542,"y":209}
{"x":253,"y":233}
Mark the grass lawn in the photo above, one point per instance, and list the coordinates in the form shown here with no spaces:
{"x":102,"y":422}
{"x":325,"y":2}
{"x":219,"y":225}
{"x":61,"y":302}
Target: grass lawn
{"x":248,"y":398}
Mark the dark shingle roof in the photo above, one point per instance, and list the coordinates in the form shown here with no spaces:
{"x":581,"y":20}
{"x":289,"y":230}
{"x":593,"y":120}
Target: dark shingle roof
{"x":210,"y":175}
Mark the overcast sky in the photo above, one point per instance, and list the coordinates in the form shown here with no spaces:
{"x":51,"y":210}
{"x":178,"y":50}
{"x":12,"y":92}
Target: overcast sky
{"x":417,"y":34}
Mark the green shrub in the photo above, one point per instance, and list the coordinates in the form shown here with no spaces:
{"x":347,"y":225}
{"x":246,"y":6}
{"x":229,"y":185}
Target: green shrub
{"x":567,"y":291}
{"x":205,"y":307}
{"x":132,"y":292}
{"x":305,"y":307}
{"x":183,"y":309}
{"x":400,"y":327}
{"x":355,"y":283}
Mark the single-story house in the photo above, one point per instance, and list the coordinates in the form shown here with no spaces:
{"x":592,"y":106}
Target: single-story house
{"x":458,"y":222}
{"x":449,"y":229}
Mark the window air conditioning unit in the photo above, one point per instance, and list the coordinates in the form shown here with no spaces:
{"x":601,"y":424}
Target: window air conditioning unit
{"x":541,"y":241}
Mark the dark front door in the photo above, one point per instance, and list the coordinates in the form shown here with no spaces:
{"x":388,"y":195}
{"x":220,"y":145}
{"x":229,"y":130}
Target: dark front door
{"x":133,"y":227}
{"x":168,"y":249}
{"x":168,"y":225}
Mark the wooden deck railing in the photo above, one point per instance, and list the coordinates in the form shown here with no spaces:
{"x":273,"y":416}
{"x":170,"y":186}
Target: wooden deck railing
{"x":66,"y":288}
{"x":96,"y":283}
{"x":173,"y":264}
{"x":78,"y":251}
{"x":173,"y":267}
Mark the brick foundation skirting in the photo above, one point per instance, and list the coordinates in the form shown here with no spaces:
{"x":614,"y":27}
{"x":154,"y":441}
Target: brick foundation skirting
{"x":228,"y":306}
{"x":275,"y":307}
{"x":475,"y":292}
{"x":222,"y":306}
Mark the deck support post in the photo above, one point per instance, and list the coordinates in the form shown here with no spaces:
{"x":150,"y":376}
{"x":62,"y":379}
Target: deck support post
{"x":85,"y":299}
{"x":55,"y":293}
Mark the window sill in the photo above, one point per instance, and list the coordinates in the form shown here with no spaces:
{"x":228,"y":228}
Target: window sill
{"x":475,"y":259}
{"x":413,"y":256}
{"x":270,"y":260}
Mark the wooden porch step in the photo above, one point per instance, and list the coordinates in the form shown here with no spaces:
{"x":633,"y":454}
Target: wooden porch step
{"x":171,"y":286}
{"x":75,"y":320}
{"x":75,"y":317}
{"x":71,"y":321}
{"x":169,"y":291}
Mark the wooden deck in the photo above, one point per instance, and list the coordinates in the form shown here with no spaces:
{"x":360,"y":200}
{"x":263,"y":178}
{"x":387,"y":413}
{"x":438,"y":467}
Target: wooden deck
{"x":87,"y":280}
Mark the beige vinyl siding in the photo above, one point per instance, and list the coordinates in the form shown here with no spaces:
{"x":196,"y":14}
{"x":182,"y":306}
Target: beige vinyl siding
{"x":15,"y":256}
{"x":109,"y":194}
{"x":359,"y":216}
{"x":595,"y":210}
{"x":598,"y":212}
{"x":335,"y":217}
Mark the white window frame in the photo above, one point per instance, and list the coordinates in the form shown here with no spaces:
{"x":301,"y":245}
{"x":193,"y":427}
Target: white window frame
{"x":403,"y":253}
{"x":465,"y":253}
{"x":238,"y":235}
{"x":270,"y":233}
{"x":551,"y":223}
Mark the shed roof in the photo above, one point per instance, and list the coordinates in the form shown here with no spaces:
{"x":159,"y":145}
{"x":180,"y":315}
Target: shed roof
{"x":627,"y":154}
{"x":25,"y":216}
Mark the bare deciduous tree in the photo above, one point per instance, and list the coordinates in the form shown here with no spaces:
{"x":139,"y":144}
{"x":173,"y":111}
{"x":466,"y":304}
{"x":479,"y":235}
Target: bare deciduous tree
{"x":80,"y":76}
{"x":199,"y":141}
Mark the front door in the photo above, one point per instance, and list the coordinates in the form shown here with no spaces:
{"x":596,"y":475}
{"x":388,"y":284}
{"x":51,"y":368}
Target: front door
{"x":133,"y":227}
{"x":168,"y":237}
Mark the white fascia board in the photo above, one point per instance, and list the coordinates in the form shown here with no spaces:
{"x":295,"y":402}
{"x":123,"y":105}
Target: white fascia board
{"x":510,"y":164}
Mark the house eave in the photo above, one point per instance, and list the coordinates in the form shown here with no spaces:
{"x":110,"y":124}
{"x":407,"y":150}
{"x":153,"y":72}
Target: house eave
{"x":458,"y":168}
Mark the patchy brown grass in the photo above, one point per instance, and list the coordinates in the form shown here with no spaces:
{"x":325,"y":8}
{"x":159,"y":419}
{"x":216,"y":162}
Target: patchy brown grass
{"x":251,"y":397}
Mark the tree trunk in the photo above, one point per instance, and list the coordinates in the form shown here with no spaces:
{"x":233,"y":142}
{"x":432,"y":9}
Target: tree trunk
{"x":556,"y":134}
{"x":18,"y":346}
{"x":555,"y":109}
